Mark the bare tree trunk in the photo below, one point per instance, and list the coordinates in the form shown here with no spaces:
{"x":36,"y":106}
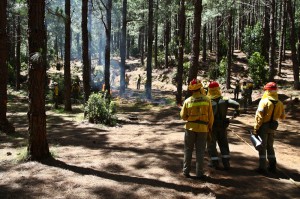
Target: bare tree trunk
{"x":85,"y":51}
{"x":272,"y":46}
{"x":38,"y":148}
{"x":156,"y":36}
{"x":5,"y":126}
{"x":282,"y":34}
{"x":107,"y":45}
{"x":149,"y":52}
{"x":181,"y":25}
{"x":123,"y":48}
{"x":67,"y":68}
{"x":204,"y":53}
{"x":218,"y":43}
{"x":193,"y":71}
{"x":229,"y":50}
{"x":18,"y":53}
{"x":293,"y":44}
{"x":266,"y":30}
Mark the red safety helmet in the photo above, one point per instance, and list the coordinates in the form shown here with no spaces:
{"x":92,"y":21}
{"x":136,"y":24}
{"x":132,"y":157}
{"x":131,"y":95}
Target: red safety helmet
{"x":271,"y":86}
{"x":213,"y":85}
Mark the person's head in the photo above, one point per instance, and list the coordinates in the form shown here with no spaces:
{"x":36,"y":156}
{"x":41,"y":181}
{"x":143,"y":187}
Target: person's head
{"x":195,"y":85}
{"x":270,"y":91}
{"x":214,"y":90}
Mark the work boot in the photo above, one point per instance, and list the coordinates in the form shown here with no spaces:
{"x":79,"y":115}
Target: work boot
{"x":261,"y":171}
{"x":272,"y":167}
{"x":226,"y":163}
{"x":214,"y":164}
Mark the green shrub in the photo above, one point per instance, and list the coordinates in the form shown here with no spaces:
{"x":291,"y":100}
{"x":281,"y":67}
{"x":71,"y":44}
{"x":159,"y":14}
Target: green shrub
{"x":101,"y":110}
{"x":213,"y":71}
{"x":252,"y":39}
{"x":257,"y":69}
{"x":223,"y":67}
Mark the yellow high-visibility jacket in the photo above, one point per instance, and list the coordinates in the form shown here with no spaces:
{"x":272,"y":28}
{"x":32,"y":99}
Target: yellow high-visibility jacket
{"x":197,"y":111}
{"x":264,"y":112}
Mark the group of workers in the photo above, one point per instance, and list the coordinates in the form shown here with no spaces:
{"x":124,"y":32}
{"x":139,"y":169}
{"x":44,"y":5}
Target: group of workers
{"x":206,"y":125}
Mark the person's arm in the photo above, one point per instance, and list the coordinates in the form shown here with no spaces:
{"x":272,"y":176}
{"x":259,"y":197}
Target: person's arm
{"x":183,"y":112}
{"x":259,"y":117}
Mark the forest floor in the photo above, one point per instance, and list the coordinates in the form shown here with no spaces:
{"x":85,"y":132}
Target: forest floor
{"x":142,"y":156}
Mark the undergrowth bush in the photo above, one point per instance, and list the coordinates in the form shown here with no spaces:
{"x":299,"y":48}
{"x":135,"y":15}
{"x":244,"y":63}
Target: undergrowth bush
{"x":99,"y":109}
{"x":258,"y":69}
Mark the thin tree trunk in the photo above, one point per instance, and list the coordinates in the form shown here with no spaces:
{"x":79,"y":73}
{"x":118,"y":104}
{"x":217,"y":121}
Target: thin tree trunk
{"x":272,"y":46}
{"x":123,"y":48}
{"x":85,"y":51}
{"x":181,"y":25}
{"x":18,"y":53}
{"x":266,"y":32}
{"x":229,"y":51}
{"x":293,"y":44}
{"x":204,"y":53}
{"x":218,"y":42}
{"x":107,"y":46}
{"x":149,"y":54}
{"x":156,"y":36}
{"x":282,"y":34}
{"x":38,"y":148}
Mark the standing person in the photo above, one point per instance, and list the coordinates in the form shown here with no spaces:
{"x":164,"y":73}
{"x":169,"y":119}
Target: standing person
{"x":245,"y":96}
{"x":220,"y":107}
{"x":237,"y":90}
{"x":197,"y":111}
{"x":55,"y":94}
{"x":138,"y":84}
{"x":126,"y":81}
{"x":269,"y":110}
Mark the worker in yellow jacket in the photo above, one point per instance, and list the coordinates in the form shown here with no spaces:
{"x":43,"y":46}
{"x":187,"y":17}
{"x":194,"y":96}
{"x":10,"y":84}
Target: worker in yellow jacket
{"x":269,"y":110}
{"x":197,"y":111}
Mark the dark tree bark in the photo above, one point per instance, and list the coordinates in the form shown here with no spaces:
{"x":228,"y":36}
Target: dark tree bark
{"x":204,"y":53}
{"x":5,"y":126}
{"x":293,"y":44}
{"x":149,"y":52}
{"x":107,"y":45}
{"x":266,"y":32}
{"x":142,"y":51}
{"x":38,"y":148}
{"x":272,"y":46}
{"x":229,"y":50}
{"x":167,"y":33}
{"x":79,"y":53}
{"x":18,"y":53}
{"x":196,"y":40}
{"x":218,"y":43}
{"x":67,"y":67}
{"x":156,"y":36}
{"x":181,"y":23}
{"x":123,"y":48}
{"x":282,"y":33}
{"x":128,"y":45}
{"x":100,"y":50}
{"x":85,"y":51}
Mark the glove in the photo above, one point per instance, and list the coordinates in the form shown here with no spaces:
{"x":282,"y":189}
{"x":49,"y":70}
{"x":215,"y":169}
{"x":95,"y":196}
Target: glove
{"x":254,"y":132}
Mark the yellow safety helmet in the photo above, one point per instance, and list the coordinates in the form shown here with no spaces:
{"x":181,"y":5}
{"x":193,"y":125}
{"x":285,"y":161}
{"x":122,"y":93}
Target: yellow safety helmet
{"x":195,"y":85}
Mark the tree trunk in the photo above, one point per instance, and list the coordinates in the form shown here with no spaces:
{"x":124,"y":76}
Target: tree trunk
{"x":100,"y":50}
{"x":156,"y":36}
{"x":107,"y":46}
{"x":79,"y":53}
{"x":196,"y":40}
{"x":18,"y":53}
{"x":128,"y":46}
{"x":67,"y":68}
{"x":167,"y":41}
{"x":218,"y":43}
{"x":181,"y":23}
{"x":293,"y":45}
{"x":38,"y":148}
{"x":272,"y":46}
{"x":204,"y":43}
{"x":149,"y":52}
{"x":282,"y":34}
{"x":85,"y":51}
{"x":229,"y":50}
{"x":266,"y":32}
{"x":123,"y":48}
{"x":5,"y":126}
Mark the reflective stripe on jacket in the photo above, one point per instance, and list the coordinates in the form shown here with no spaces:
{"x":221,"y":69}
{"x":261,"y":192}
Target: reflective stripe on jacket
{"x":197,"y":111}
{"x":264,"y":112}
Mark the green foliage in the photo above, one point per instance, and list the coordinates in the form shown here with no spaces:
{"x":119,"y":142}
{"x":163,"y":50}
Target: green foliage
{"x":252,"y":39}
{"x":99,"y":109}
{"x":213,"y":71}
{"x":223,"y":67}
{"x":11,"y":74}
{"x":258,"y":70}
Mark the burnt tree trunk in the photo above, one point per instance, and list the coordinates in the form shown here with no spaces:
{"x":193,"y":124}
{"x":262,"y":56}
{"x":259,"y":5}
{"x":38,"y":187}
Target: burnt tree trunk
{"x":38,"y":148}
{"x":85,"y":51}
{"x":204,"y":43}
{"x":67,"y":67}
{"x":181,"y":24}
{"x":107,"y":46}
{"x":149,"y":52}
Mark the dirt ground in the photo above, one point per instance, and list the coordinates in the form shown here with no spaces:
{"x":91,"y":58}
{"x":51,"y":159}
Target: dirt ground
{"x":142,"y":156}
